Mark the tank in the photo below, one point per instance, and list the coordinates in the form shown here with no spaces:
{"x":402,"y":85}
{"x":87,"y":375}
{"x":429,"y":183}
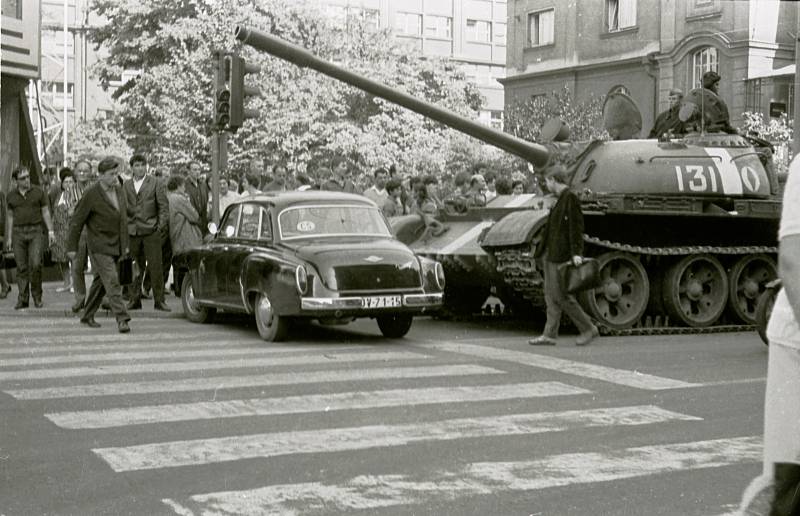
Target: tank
{"x":684,"y":229}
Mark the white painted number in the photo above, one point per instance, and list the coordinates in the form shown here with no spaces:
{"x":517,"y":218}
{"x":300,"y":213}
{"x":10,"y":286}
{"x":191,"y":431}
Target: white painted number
{"x":697,"y":178}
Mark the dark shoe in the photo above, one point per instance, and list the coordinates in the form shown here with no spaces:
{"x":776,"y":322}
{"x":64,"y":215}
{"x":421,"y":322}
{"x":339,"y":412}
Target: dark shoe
{"x":162,"y":306}
{"x":4,"y":292}
{"x":135,"y":305}
{"x":105,"y":305}
{"x":77,"y":307}
{"x":20,"y":305}
{"x":587,"y":337}
{"x":123,"y":327}
{"x":90,"y":322}
{"x":38,"y":303}
{"x":542,"y":341}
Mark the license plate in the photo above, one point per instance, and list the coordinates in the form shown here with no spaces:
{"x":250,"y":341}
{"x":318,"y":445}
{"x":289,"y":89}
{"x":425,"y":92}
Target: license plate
{"x":382,"y":301}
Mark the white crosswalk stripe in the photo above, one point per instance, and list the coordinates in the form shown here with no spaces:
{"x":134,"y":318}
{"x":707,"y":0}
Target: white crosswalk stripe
{"x":328,"y":358}
{"x":597,"y":372}
{"x":313,"y":403}
{"x":204,"y":451}
{"x":22,"y":341}
{"x":483,"y":478}
{"x":218,"y":383}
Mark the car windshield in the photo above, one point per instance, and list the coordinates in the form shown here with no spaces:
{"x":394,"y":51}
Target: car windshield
{"x":331,"y":220}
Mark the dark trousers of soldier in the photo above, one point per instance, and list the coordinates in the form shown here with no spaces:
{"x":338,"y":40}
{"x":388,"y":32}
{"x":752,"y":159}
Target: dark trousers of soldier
{"x":79,"y":268}
{"x":146,"y":252}
{"x":105,"y":282}
{"x":28,"y":242}
{"x":559,"y":301}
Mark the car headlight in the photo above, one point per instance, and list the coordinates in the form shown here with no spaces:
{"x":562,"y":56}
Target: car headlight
{"x":439,"y":275}
{"x":301,"y":279}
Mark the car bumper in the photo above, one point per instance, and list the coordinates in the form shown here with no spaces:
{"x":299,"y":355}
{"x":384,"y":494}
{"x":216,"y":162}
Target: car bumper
{"x":423,"y":301}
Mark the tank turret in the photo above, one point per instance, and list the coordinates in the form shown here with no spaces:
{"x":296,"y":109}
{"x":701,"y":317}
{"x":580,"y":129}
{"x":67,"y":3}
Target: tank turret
{"x":684,"y":229}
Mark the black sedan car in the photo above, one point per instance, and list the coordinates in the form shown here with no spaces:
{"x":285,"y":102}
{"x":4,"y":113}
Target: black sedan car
{"x":291,"y":257}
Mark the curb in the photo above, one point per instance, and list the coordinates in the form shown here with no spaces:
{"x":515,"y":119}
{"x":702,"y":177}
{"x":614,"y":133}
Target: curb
{"x":53,"y":312}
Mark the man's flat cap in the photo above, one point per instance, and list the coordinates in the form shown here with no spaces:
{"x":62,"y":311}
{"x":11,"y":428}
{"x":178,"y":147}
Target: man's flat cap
{"x":107,"y":164}
{"x":676,"y":91}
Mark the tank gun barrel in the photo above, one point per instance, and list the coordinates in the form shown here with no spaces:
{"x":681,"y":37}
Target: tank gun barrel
{"x":532,"y":152}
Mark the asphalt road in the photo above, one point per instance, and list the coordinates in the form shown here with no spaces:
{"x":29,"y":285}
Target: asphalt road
{"x":458,"y":418}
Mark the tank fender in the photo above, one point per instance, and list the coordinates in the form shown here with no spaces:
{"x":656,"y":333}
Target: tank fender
{"x":516,"y":228}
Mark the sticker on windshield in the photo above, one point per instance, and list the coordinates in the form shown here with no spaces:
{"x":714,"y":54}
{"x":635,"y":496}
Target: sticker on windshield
{"x":306,"y":226}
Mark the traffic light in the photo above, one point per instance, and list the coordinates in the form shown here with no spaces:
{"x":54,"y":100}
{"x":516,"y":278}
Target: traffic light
{"x":239,"y":91}
{"x":222,"y":91}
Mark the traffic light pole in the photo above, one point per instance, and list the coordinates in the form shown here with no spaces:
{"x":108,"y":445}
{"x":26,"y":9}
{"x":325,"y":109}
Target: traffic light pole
{"x":219,"y":162}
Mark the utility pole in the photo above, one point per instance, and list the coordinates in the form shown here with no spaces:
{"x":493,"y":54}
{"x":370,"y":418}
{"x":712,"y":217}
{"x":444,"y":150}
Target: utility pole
{"x":796,"y":114}
{"x":66,"y":80}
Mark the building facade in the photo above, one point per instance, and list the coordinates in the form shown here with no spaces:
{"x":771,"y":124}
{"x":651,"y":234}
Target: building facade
{"x":472,"y":32}
{"x":19,"y":63}
{"x":647,"y":47}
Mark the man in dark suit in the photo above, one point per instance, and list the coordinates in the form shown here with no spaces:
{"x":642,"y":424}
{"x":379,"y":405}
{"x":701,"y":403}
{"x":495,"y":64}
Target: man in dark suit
{"x":148,"y":223}
{"x":103,"y":211}
{"x":197,"y":191}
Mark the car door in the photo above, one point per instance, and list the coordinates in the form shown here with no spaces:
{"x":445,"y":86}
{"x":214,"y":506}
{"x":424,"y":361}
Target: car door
{"x":213,"y":264}
{"x":244,"y":244}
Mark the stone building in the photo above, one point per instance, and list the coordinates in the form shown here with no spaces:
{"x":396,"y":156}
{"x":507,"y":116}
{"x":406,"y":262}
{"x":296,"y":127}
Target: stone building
{"x":647,"y":47}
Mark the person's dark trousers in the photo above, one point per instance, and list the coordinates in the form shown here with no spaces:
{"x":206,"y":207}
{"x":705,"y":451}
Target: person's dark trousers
{"x":179,"y":268}
{"x":166,"y":258}
{"x":559,"y":301}
{"x":79,"y":269}
{"x":105,"y":282}
{"x":146,"y":251}
{"x":28,"y":242}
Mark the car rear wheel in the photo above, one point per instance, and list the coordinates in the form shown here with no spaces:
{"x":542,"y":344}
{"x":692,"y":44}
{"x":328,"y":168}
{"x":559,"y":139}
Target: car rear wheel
{"x":395,"y":326}
{"x":193,"y":311}
{"x":271,"y":326}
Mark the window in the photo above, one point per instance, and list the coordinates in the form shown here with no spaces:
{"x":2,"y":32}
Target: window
{"x":228,"y":225}
{"x":621,"y":14}
{"x":409,"y":24}
{"x":53,"y":42}
{"x":704,"y":60}
{"x":752,"y":95}
{"x":438,"y":27}
{"x":497,"y":119}
{"x":479,"y":30}
{"x":499,"y":33}
{"x":248,"y":226}
{"x":265,"y":226}
{"x":331,"y":221}
{"x":619,"y":89}
{"x":11,"y":8}
{"x":371,"y":18}
{"x":540,"y":28}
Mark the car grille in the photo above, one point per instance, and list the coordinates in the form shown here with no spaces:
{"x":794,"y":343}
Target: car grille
{"x":376,"y":277}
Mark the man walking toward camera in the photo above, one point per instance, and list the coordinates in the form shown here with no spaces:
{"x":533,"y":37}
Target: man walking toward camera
{"x":27,"y":211}
{"x":103,"y":211}
{"x":148,"y":225}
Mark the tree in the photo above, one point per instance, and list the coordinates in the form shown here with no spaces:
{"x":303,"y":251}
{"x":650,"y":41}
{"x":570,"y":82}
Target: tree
{"x":95,"y":139}
{"x":525,"y":118}
{"x":166,"y":109}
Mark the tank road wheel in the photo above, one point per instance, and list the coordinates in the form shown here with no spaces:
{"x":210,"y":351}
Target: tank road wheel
{"x":193,"y":311}
{"x":696,"y":290}
{"x":395,"y":326}
{"x":621,"y":298}
{"x":271,"y":326}
{"x":748,"y":279}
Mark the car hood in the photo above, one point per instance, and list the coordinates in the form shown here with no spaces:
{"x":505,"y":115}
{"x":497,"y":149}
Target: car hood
{"x":361,"y":265}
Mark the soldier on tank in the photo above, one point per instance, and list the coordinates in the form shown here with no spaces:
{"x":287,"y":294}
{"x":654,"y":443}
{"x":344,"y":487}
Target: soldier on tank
{"x":668,"y":122}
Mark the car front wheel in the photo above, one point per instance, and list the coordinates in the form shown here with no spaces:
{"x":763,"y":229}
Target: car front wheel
{"x":271,"y":326}
{"x":193,"y":311}
{"x":395,"y":326}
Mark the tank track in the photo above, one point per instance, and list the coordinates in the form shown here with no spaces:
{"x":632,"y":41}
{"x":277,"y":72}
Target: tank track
{"x":519,"y":271}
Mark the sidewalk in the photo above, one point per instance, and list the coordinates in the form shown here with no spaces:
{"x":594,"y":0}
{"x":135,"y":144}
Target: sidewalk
{"x":59,"y":304}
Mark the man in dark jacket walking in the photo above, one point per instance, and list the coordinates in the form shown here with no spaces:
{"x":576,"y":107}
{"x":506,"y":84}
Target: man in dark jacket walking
{"x":563,"y":242}
{"x":103,"y":211}
{"x":148,"y":225}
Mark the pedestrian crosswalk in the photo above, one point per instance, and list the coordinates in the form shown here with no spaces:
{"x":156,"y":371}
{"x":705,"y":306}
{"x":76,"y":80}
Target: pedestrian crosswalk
{"x":178,"y":399}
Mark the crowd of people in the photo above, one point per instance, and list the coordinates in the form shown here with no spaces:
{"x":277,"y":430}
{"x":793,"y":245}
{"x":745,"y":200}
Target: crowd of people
{"x":72,"y":212}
